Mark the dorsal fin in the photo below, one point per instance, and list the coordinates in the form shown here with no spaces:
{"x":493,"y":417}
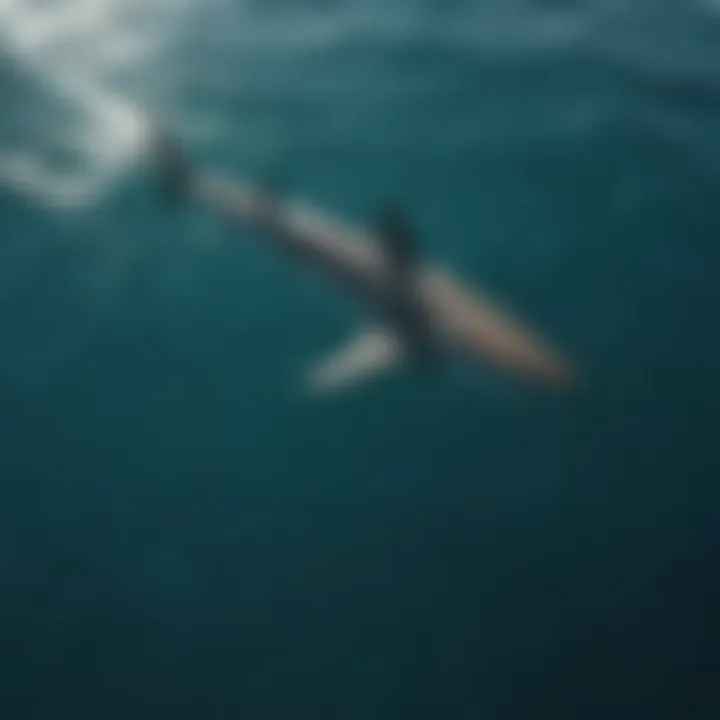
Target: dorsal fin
{"x":397,"y":237}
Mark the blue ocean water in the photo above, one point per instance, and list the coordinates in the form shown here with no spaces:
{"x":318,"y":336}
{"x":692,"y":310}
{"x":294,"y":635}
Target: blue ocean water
{"x":183,"y":532}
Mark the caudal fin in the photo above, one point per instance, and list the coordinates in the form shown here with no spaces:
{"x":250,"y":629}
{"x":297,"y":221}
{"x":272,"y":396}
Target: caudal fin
{"x":170,"y":165}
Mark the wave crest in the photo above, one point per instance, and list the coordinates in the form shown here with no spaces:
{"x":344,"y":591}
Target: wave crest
{"x":70,"y":65}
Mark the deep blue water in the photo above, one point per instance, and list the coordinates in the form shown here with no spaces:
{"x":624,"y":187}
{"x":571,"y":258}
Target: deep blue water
{"x":184,"y":534}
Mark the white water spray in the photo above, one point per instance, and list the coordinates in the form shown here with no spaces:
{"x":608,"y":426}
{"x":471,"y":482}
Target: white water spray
{"x":72,"y":53}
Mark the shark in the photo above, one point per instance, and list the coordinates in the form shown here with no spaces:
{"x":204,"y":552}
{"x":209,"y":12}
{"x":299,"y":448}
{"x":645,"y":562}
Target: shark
{"x":419,"y":311}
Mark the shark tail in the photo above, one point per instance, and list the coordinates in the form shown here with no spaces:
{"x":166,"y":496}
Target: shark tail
{"x":170,"y":165}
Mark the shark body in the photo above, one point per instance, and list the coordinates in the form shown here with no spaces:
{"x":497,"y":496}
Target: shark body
{"x":423,"y":310}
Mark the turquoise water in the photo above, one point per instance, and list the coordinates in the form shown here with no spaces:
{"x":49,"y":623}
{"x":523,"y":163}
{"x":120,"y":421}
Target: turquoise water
{"x":183,"y":532}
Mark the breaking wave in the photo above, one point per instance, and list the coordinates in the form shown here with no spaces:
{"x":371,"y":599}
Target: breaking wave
{"x":71,"y":77}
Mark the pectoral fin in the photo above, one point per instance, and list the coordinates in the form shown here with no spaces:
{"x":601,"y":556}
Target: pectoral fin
{"x":366,"y":355}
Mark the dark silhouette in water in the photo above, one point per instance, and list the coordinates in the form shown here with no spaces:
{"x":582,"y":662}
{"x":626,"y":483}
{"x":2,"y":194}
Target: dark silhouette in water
{"x":419,"y":305}
{"x":398,"y":238}
{"x":170,"y":163}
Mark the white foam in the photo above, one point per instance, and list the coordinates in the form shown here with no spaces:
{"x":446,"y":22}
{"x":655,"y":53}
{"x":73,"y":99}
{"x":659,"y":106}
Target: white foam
{"x":74,"y":51}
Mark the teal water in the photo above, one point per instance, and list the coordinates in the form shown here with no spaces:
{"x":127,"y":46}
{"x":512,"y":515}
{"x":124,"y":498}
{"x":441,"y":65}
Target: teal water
{"x":182,"y":533}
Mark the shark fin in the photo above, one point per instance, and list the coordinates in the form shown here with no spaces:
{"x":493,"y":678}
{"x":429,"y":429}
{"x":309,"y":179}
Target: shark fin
{"x":369,"y":354}
{"x":171,"y":167}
